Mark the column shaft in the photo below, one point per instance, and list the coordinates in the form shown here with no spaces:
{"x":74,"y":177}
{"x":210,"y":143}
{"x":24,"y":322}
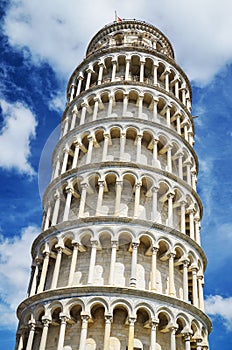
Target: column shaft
{"x":56,"y":268}
{"x":73,"y":264}
{"x":43,"y":273}
{"x":92,"y":262}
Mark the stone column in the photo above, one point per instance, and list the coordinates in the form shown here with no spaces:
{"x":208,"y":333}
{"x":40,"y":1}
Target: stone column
{"x":155,"y":112}
{"x":194,"y":282}
{"x":83,"y":112}
{"x":169,"y":158}
{"x":154,"y":324}
{"x":155,"y":68}
{"x":90,"y":149}
{"x":188,"y":170}
{"x":73,"y":263}
{"x":74,"y":118}
{"x":110,"y":106}
{"x":167,"y":81}
{"x":122,"y":145}
{"x":57,"y":169}
{"x":114,"y":62}
{"x":182,"y":216}
{"x":105,"y":146}
{"x":127,"y":68}
{"x":133,"y":278}
{"x":80,"y":79}
{"x":69,"y":191}
{"x":191,"y":223}
{"x":177,"y":88}
{"x":168,"y":116}
{"x":92,"y":261}
{"x":180,"y":165}
{"x":139,"y":145}
{"x":153,"y":267}
{"x":171,"y":291}
{"x":63,"y":322}
{"x":108,"y":319}
{"x":131,"y":333}
{"x":35,"y":276}
{"x":112,"y":262}
{"x":101,"y":185}
{"x":155,"y":203}
{"x":57,"y":267}
{"x":48,"y":215}
{"x":100,"y":73}
{"x":55,"y":214}
{"x":141,"y":73}
{"x":20,"y":342}
{"x":178,"y":124}
{"x":84,"y":187}
{"x":65,"y":122}
{"x":173,"y":338}
{"x":140,"y":111}
{"x":187,"y":341}
{"x":185,"y":280}
{"x":200,"y":280}
{"x":119,"y":186}
{"x":170,"y":208}
{"x":44,"y":272}
{"x":84,"y":329}
{"x":197,"y":229}
{"x":73,"y":87}
{"x":76,"y":154}
{"x":65,"y":159}
{"x":95,"y":109}
{"x":43,"y":340}
{"x":89,"y":71}
{"x":125,"y":103}
{"x":137,"y":199}
{"x":31,"y":325}
{"x":155,"y":161}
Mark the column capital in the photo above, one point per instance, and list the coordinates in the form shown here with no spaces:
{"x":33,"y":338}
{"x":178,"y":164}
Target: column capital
{"x":63,"y":318}
{"x":194,"y":268}
{"x":46,"y":320}
{"x":101,"y":183}
{"x":85,"y":317}
{"x":187,"y":335}
{"x":75,"y":244}
{"x":108,"y":318}
{"x":171,"y":254}
{"x":94,"y":242}
{"x":131,"y":320}
{"x":114,"y":244}
{"x":154,"y":322}
{"x":57,"y":194}
{"x":84,"y":185}
{"x":31,"y":324}
{"x":170,"y":194}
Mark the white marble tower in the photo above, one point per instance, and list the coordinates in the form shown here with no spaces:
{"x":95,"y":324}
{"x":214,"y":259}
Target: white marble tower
{"x":118,"y":263}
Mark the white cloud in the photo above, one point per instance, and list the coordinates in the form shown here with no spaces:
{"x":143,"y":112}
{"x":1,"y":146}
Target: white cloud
{"x":216,"y":305}
{"x":14,"y":272}
{"x":59,"y":33}
{"x":57,"y":102}
{"x":19,"y":125}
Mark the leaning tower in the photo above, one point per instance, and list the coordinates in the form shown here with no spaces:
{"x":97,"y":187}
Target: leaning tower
{"x":118,"y":263}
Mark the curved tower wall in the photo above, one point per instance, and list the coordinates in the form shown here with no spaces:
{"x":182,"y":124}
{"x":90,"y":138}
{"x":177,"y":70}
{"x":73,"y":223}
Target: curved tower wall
{"x":118,"y":263}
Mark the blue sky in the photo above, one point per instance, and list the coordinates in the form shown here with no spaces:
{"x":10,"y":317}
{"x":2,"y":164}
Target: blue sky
{"x":41,"y":42}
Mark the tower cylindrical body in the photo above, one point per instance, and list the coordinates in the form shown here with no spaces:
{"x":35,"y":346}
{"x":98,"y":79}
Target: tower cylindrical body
{"x":118,"y":263}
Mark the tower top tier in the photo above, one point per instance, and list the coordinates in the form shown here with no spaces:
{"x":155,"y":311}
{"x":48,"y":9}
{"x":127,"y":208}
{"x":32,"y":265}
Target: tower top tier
{"x":131,"y":33}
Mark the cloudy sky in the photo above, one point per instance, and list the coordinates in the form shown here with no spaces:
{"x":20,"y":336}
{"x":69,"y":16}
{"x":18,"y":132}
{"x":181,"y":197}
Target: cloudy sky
{"x":41,"y":42}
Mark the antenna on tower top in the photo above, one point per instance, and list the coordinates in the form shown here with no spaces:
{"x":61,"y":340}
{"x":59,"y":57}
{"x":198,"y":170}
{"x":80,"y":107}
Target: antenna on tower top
{"x":117,"y":19}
